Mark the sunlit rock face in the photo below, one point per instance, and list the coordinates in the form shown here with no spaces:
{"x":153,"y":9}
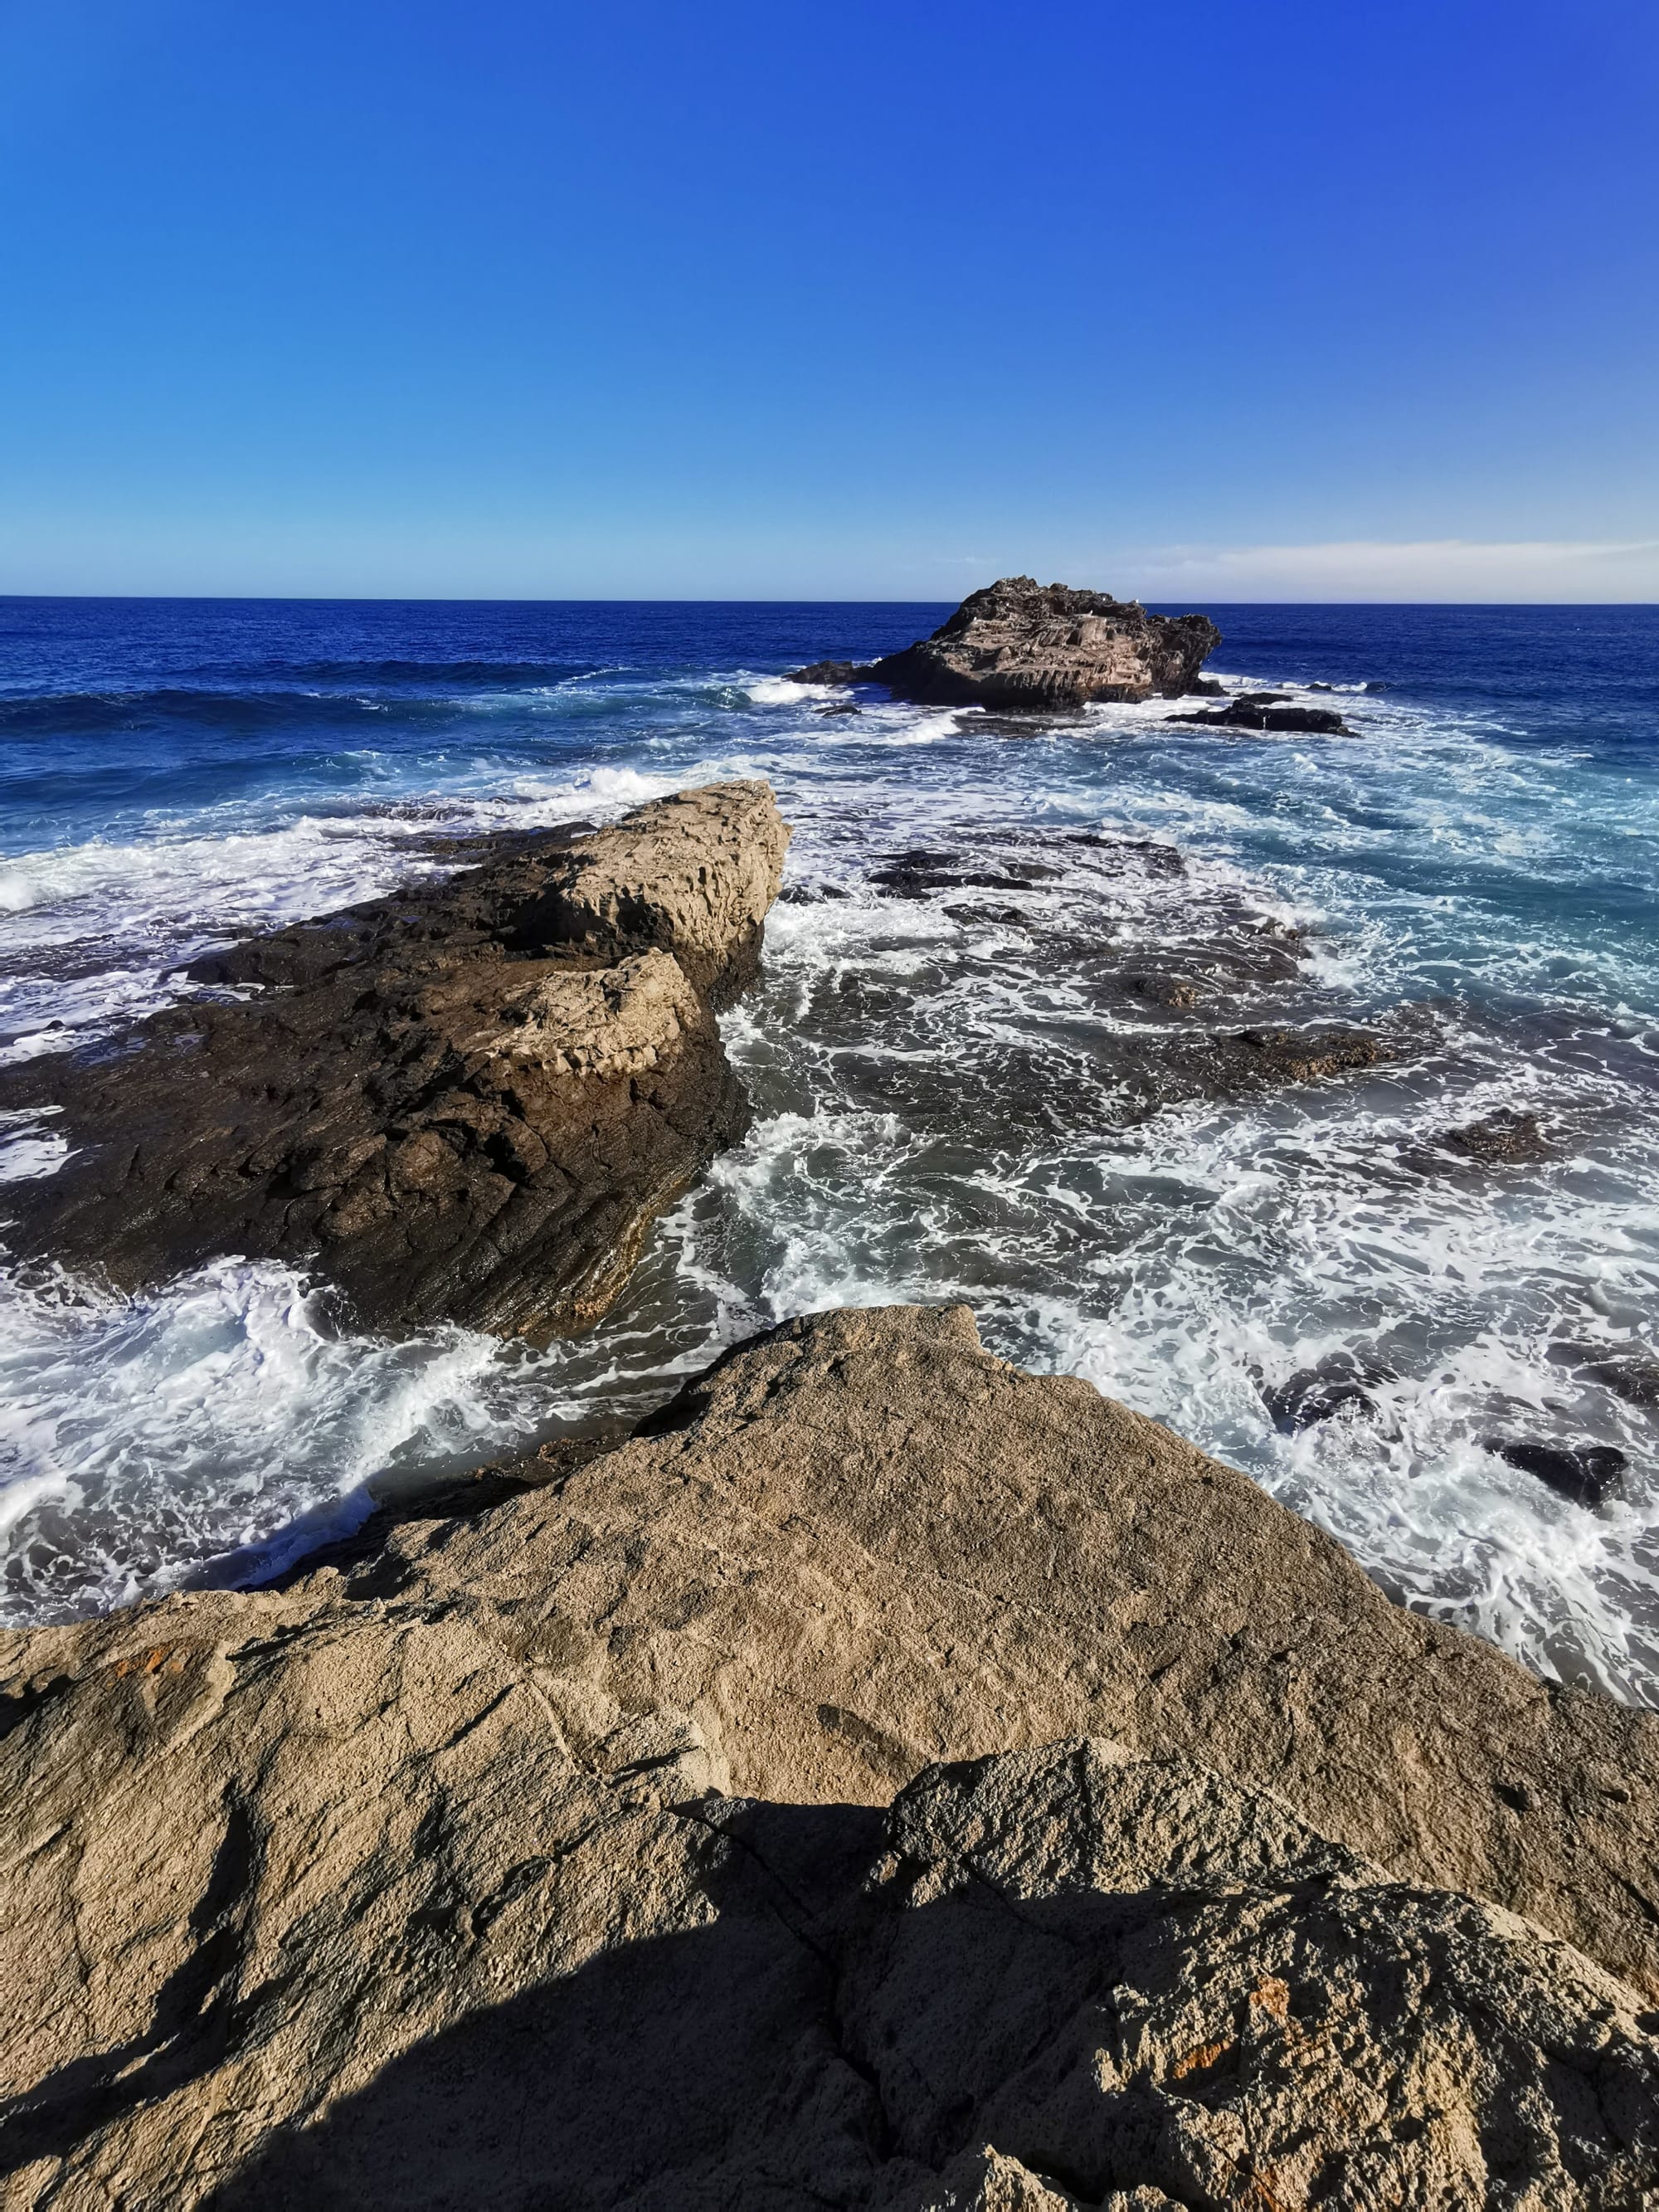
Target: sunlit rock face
{"x":1022,"y":645}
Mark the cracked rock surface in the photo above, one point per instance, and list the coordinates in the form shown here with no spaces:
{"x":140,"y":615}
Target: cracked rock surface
{"x":464,"y":1100}
{"x":552,"y":1856}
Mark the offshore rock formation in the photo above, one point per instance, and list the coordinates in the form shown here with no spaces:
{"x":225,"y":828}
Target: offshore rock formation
{"x":532,"y":1859}
{"x":463,"y":1101}
{"x":1266,"y":710}
{"x":1033,"y":647}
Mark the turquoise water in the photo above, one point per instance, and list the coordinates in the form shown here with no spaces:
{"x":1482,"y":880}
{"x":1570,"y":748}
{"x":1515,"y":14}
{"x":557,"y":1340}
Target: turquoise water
{"x":937,"y":1107}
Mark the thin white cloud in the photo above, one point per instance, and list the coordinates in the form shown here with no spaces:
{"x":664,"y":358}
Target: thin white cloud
{"x":1449,"y":568}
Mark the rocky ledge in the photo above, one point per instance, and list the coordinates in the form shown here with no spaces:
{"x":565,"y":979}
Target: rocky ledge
{"x":1037,"y":648}
{"x":889,"y":1780}
{"x":464,"y":1100}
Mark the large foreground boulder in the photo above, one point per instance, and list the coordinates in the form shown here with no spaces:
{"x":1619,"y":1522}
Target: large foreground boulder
{"x":1035,"y":647}
{"x":318,"y":1904}
{"x":536,"y":1858}
{"x":862,"y":1542}
{"x":464,"y":1101}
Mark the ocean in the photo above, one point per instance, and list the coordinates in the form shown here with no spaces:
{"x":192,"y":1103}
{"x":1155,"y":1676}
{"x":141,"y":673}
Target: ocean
{"x":936,"y":1074}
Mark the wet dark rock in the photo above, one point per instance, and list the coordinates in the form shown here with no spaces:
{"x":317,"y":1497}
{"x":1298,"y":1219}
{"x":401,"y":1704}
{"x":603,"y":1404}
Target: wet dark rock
{"x":1156,"y":859}
{"x":465,"y":1100}
{"x":1587,"y":1474}
{"x":916,"y":874}
{"x":810,"y":894}
{"x":1507,"y":1138}
{"x":830,"y":671}
{"x":1629,"y":1371}
{"x":1302,"y":1055}
{"x":845,"y":706}
{"x":1040,"y":648}
{"x":1164,"y":990}
{"x":1251,"y":714}
{"x":999,"y":917}
{"x":1342,"y":1383}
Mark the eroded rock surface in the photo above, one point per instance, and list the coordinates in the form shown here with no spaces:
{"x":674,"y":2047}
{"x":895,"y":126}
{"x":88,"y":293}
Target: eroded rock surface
{"x":862,"y":1542}
{"x":335,"y":1905}
{"x":1037,"y":648}
{"x":537,"y":1858}
{"x":464,"y":1100}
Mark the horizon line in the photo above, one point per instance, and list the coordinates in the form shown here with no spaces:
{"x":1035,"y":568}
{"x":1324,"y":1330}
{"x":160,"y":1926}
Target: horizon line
{"x":510,"y":599}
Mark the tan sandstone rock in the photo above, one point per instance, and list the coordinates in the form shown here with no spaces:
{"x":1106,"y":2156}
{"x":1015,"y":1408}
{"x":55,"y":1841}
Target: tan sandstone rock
{"x":1028,"y":646}
{"x":862,"y":1543}
{"x":694,"y":873}
{"x":603,"y":1022}
{"x":447,"y":1876}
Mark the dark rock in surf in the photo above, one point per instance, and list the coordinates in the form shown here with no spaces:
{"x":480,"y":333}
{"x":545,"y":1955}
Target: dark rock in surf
{"x":464,"y":1100}
{"x":1162,"y":990}
{"x":1038,"y":648}
{"x":830,"y":671}
{"x":1629,"y":1371}
{"x":1263,"y":713}
{"x":1507,"y":1138}
{"x":1302,"y":1055}
{"x":917,"y":874}
{"x":1585,"y":1475}
{"x":1342,"y":1383}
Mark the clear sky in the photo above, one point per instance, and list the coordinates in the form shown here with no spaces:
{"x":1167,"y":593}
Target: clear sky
{"x":1223,"y":299}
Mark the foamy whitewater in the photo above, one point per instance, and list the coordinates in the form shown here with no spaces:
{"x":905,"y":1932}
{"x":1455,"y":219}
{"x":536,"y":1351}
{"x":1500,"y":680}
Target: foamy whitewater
{"x":936,"y":1114}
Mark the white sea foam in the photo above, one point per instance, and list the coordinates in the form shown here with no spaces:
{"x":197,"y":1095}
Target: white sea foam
{"x":143,"y":1438}
{"x":783,"y":692}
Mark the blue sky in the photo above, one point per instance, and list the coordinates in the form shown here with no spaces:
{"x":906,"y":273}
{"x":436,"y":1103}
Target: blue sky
{"x":1215,"y":299}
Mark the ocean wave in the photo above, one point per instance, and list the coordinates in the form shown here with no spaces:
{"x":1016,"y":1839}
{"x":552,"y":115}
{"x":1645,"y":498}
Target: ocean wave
{"x":143,"y":1438}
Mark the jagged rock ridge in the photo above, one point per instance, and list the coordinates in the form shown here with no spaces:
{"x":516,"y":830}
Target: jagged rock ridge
{"x":1035,"y":647}
{"x":464,"y":1100}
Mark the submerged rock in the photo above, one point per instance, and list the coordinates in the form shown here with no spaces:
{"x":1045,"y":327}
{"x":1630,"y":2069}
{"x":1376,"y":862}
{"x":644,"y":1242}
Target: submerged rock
{"x":1629,"y":1372}
{"x":1024,"y":646}
{"x":1340,"y":1384}
{"x":1587,"y":1474}
{"x":1507,"y":1138}
{"x":537,"y":1856}
{"x":464,"y":1100}
{"x":1282,"y":1055}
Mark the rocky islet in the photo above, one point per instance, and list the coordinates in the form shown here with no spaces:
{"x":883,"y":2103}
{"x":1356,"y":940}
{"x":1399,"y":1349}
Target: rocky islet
{"x":1030,"y":647}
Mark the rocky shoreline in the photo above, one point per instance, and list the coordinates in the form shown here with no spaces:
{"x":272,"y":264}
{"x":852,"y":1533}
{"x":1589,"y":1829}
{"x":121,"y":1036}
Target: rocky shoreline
{"x":887,"y":1778}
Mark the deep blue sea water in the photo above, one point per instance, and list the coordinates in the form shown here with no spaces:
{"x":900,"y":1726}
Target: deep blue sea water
{"x":935,"y":1117}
